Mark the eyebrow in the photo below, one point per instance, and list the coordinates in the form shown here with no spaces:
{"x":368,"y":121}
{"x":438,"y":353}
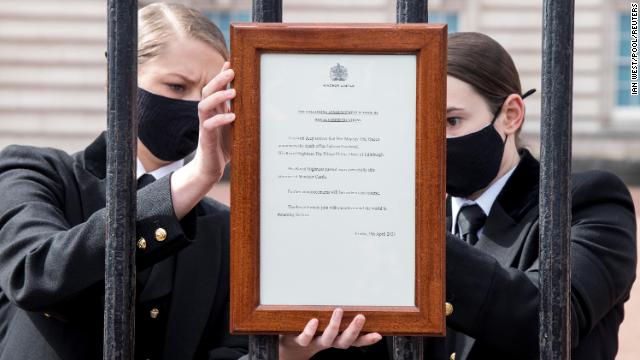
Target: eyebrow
{"x":185,"y":78}
{"x":453,"y":108}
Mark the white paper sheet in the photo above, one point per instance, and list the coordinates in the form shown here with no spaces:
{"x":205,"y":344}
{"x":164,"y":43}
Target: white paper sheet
{"x":337,"y":186}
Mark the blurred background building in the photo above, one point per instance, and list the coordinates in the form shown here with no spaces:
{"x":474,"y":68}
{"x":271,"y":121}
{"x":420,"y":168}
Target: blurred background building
{"x":53,"y":74}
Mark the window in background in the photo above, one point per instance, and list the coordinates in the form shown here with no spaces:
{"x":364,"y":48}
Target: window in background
{"x":623,"y":83}
{"x":448,"y":17}
{"x":224,"y":18}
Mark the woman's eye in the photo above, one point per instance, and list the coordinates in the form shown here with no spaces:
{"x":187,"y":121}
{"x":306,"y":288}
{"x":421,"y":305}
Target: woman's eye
{"x":453,"y":121}
{"x":176,"y":87}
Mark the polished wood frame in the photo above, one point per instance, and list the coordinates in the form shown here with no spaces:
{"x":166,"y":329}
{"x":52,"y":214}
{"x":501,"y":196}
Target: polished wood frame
{"x":429,"y":43}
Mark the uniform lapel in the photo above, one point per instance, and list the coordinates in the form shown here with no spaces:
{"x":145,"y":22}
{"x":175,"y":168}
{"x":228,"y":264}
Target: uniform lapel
{"x":90,"y":166}
{"x":463,"y":346}
{"x":513,"y":213}
{"x":196,"y":280}
{"x":502,"y":237}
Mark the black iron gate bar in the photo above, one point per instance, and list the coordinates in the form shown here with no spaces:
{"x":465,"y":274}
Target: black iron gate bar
{"x":265,"y":347}
{"x":410,"y":11}
{"x":120,"y":266}
{"x":554,"y":180}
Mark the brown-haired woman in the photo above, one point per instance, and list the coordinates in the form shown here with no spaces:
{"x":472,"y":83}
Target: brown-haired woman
{"x":52,"y":218}
{"x":492,"y":218}
{"x":492,"y":260}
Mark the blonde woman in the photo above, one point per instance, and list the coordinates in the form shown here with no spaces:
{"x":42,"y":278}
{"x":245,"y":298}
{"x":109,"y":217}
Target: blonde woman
{"x":52,"y":219}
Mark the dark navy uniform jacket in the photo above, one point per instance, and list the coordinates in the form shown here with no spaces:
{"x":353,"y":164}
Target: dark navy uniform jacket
{"x":494,"y":285}
{"x":52,"y":246}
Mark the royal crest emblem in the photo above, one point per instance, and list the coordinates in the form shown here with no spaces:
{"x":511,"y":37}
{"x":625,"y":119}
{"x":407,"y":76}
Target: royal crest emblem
{"x":339,"y":73}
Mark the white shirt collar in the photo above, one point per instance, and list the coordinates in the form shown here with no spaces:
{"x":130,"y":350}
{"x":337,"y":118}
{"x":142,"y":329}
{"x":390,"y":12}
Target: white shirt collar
{"x":160,"y":172}
{"x":485,"y":201}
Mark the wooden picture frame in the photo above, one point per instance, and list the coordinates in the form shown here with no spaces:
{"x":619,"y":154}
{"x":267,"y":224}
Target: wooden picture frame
{"x":428,"y":43}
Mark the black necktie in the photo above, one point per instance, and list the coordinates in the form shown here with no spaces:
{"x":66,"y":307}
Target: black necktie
{"x":145,"y":180}
{"x":470,"y":219}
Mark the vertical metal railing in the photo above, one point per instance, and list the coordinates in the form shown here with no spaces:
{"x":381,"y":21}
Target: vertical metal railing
{"x":119,"y":301}
{"x":410,"y":11}
{"x":267,"y":11}
{"x":265,"y":347}
{"x":555,"y":182}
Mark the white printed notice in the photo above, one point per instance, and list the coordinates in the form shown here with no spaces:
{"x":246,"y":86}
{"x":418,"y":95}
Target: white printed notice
{"x":337,"y":181}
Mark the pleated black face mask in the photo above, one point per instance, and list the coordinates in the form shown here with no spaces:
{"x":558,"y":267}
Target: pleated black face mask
{"x":167,"y":127}
{"x":473,"y":160}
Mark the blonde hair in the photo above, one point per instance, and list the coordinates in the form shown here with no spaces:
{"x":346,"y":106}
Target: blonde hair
{"x":160,"y":23}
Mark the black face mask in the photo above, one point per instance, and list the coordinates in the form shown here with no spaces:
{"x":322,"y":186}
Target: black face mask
{"x":167,"y":127}
{"x":473,"y":160}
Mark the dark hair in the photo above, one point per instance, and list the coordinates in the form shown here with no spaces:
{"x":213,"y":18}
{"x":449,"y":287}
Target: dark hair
{"x":484,"y":64}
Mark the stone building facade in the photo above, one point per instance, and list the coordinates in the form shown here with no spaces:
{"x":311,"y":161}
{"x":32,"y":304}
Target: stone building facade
{"x":53,"y":68}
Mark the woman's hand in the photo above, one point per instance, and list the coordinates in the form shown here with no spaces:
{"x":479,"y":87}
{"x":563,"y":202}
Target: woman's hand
{"x":192,"y":182}
{"x":306,"y":344}
{"x":213,"y":152}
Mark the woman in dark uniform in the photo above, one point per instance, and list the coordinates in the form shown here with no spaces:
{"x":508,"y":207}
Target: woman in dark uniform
{"x":52,"y":218}
{"x":492,"y":213}
{"x":492,"y":243}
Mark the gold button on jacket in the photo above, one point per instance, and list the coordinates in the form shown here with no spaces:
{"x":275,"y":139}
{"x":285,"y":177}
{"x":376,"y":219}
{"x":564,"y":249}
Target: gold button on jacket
{"x":142,"y":243}
{"x":453,"y":356}
{"x":154,"y":313}
{"x":161,"y":234}
{"x":448,"y":309}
